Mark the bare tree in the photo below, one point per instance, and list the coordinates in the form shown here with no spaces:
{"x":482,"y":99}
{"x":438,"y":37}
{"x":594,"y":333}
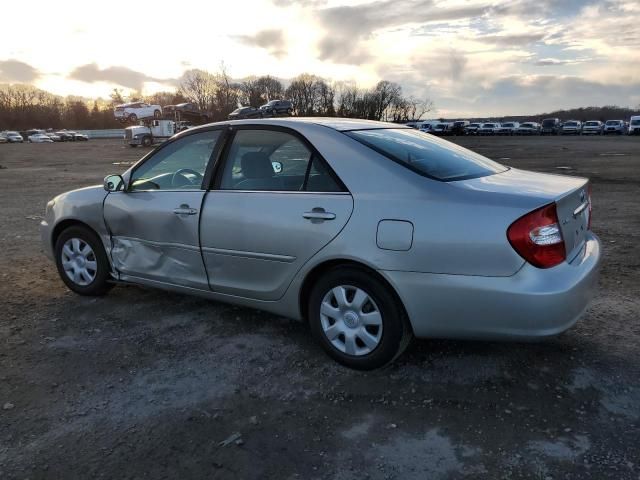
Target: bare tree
{"x":200,"y":87}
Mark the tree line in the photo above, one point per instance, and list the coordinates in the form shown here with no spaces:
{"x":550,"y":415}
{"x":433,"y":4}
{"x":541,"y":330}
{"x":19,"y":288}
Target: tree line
{"x":217,"y":94}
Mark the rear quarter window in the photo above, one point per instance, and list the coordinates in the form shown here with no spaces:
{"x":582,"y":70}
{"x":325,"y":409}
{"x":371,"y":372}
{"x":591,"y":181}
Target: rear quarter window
{"x":426,"y":154}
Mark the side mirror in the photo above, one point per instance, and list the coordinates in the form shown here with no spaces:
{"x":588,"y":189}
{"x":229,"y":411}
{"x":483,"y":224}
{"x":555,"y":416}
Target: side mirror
{"x":277,"y":166}
{"x":113,"y":183}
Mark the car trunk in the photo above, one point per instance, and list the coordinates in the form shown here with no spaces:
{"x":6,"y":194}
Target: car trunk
{"x":531,"y":190}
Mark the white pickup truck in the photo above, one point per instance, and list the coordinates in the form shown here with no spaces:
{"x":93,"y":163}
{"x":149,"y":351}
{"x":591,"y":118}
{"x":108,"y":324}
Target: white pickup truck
{"x":148,"y":133}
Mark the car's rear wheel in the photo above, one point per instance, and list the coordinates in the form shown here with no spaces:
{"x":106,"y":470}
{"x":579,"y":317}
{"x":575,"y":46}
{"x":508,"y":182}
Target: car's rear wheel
{"x":82,"y":261}
{"x":146,"y":141}
{"x":357,"y":319}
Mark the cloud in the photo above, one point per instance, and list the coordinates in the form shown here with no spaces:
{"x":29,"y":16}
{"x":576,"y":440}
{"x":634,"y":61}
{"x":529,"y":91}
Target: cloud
{"x":531,"y":94}
{"x":271,"y":40}
{"x":550,"y":62}
{"x":17,"y":71}
{"x":301,"y":3}
{"x":123,"y":76}
{"x":508,"y":40}
{"x":347,"y":26}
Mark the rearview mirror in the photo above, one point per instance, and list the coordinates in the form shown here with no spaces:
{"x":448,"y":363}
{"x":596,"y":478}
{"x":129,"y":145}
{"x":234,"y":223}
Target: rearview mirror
{"x":113,"y":183}
{"x":277,"y":166}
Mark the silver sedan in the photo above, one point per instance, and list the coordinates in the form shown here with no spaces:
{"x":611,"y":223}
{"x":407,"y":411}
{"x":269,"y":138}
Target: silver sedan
{"x":371,"y":232}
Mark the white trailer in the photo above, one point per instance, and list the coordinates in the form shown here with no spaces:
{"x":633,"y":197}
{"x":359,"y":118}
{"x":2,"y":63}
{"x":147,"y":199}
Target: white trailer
{"x":149,"y":132}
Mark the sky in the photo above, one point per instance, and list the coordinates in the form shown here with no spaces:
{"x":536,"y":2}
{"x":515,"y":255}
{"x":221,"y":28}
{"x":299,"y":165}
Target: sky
{"x":470,"y":57}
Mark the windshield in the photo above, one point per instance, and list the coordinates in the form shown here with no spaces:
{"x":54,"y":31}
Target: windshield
{"x":613,"y":122}
{"x":474,"y":125}
{"x":635,"y":121}
{"x":592,"y":124}
{"x":548,"y":123}
{"x":507,"y":124}
{"x":527,"y":125}
{"x":571,"y":124}
{"x":427,"y":155}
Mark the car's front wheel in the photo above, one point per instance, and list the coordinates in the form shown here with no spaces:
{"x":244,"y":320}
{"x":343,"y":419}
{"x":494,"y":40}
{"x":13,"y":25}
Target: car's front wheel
{"x":133,"y":118}
{"x":357,"y":319}
{"x":82,"y":261}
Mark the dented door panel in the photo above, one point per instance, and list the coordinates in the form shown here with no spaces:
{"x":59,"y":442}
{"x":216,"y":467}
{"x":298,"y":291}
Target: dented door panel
{"x":154,"y":235}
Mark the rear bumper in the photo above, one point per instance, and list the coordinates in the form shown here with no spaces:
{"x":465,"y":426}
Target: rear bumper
{"x":532,"y":303}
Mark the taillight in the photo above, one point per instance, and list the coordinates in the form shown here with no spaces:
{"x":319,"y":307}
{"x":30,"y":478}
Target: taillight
{"x":537,"y":237}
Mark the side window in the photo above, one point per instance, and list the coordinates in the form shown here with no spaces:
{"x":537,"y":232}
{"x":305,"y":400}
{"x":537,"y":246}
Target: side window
{"x":265,"y":160}
{"x":320,"y":179}
{"x":178,"y":166}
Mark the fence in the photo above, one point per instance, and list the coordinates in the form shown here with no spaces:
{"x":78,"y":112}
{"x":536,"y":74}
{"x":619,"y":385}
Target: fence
{"x":110,"y":133}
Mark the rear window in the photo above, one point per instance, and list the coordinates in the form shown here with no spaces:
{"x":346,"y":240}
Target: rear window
{"x":427,"y":155}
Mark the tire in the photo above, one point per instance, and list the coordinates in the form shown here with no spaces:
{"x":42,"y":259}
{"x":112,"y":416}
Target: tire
{"x":388,"y":336}
{"x":75,"y":238}
{"x":157,"y":114}
{"x":146,"y":141}
{"x":289,"y":111}
{"x":133,"y":118}
{"x":133,"y":145}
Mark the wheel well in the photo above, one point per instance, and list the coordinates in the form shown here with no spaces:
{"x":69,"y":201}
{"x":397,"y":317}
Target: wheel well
{"x":321,"y":269}
{"x":63,"y":225}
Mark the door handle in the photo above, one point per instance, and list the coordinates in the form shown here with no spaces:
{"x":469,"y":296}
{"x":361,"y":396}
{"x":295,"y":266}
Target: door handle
{"x":319,"y":214}
{"x":185,"y":210}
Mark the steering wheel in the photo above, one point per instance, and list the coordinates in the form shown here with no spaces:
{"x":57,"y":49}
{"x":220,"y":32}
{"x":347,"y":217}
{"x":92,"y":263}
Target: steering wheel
{"x":181,"y":173}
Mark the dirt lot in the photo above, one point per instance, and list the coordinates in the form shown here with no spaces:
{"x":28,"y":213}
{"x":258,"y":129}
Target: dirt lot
{"x":146,"y":384}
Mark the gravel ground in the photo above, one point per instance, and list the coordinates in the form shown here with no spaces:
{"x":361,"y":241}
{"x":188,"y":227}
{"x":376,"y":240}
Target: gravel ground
{"x":147,"y":384}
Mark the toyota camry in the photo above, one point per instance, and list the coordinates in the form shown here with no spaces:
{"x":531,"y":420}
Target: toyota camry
{"x":371,"y":232}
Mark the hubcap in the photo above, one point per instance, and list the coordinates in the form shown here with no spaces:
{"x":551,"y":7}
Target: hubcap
{"x":351,"y":320}
{"x":79,"y":261}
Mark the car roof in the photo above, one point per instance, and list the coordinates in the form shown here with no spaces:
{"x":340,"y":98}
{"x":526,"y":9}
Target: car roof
{"x":340,"y":124}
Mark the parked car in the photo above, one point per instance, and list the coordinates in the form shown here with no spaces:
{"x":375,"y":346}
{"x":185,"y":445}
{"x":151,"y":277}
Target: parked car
{"x":571,"y":127}
{"x":472,"y":128}
{"x":185,"y":110}
{"x":65,"y":136}
{"x":13,"y":137}
{"x":592,"y":127}
{"x":39,"y":138}
{"x":3,"y":139}
{"x":367,"y":260}
{"x":617,"y":127}
{"x":27,"y":133}
{"x":132,"y":112}
{"x":440,"y":129}
{"x":459,"y":127}
{"x":488,"y":129}
{"x":277,"y":107}
{"x":80,"y":137}
{"x":53,"y":136}
{"x":550,"y":126}
{"x":246,"y":112}
{"x":634,"y":125}
{"x":426,"y":125}
{"x":508,"y":128}
{"x":528,"y":128}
